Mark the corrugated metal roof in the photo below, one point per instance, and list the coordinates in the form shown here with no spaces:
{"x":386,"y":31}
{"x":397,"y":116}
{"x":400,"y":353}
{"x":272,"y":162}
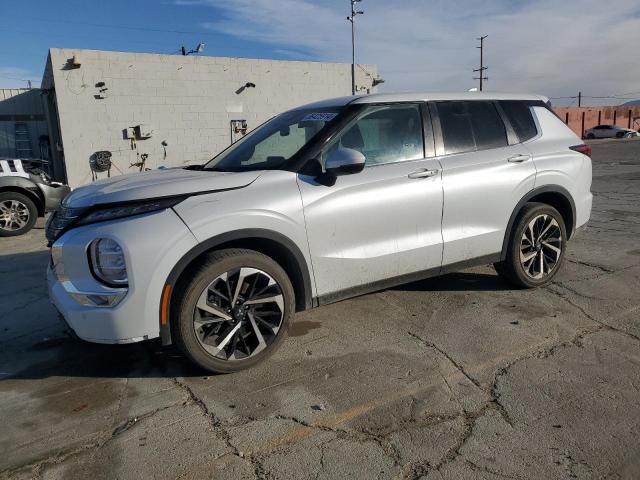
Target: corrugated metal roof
{"x":21,"y":101}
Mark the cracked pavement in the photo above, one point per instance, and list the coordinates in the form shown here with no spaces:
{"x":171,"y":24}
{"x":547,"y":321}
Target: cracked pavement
{"x":453,"y":377}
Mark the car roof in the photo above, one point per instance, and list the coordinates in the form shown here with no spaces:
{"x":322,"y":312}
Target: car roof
{"x":420,"y":97}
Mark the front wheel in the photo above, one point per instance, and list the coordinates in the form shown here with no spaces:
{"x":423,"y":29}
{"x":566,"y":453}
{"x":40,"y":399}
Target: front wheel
{"x":233,"y":310}
{"x":536,"y":247}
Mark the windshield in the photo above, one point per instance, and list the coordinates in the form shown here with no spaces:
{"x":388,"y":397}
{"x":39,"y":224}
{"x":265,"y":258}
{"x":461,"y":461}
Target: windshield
{"x":271,"y":145}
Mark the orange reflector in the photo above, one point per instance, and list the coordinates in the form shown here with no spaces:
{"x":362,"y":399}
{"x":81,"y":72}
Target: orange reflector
{"x":164,"y":311}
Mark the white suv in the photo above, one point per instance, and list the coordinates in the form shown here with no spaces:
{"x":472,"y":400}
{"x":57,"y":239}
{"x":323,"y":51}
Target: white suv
{"x":324,"y":202}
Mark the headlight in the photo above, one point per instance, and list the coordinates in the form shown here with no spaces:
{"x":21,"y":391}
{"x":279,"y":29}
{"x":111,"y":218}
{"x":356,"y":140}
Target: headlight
{"x":107,"y":262}
{"x":127,"y":210}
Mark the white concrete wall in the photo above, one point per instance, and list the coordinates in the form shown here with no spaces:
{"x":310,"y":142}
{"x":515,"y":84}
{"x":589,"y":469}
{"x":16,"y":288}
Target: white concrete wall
{"x":189,"y":101}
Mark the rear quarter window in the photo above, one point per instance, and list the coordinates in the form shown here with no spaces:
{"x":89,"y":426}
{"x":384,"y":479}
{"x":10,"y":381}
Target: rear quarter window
{"x":468,"y":126}
{"x":521,"y":118}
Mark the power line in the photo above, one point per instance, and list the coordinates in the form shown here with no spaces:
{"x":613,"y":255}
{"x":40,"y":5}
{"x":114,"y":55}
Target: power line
{"x":122,"y":27}
{"x":76,"y":35}
{"x":19,"y":78}
{"x":618,"y":96}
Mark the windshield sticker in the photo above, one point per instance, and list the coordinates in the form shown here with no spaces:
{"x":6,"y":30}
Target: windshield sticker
{"x":319,"y":117}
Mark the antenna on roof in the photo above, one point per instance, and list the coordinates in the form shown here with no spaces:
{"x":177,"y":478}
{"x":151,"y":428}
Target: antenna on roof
{"x":198,"y":49}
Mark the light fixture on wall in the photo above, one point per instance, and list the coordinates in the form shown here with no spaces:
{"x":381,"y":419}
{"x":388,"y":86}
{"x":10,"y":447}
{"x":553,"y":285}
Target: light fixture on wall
{"x":245,"y":86}
{"x":73,"y":62}
{"x":377,"y":81}
{"x":198,"y":49}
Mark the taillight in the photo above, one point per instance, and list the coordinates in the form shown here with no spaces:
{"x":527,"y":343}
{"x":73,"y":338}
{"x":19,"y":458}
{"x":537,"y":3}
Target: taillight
{"x":584,"y":149}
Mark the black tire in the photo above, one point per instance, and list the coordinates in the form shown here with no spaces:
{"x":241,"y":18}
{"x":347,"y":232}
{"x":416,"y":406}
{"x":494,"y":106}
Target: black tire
{"x":199,"y":278}
{"x":9,"y":229}
{"x":512,"y":268}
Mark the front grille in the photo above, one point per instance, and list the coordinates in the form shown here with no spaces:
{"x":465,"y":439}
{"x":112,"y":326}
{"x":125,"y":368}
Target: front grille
{"x":60,"y":220}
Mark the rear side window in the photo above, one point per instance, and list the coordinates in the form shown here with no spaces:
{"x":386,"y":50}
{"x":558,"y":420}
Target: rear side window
{"x":471,"y":126}
{"x":519,"y":114}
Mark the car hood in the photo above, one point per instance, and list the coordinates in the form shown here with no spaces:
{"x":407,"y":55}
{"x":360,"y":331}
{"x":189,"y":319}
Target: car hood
{"x":157,"y":183}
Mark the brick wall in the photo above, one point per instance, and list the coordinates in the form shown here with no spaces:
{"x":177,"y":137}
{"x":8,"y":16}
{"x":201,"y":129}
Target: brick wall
{"x":580,"y":119}
{"x":189,"y":101}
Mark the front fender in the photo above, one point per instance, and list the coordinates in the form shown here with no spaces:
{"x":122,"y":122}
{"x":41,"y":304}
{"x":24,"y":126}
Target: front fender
{"x":270,"y":208}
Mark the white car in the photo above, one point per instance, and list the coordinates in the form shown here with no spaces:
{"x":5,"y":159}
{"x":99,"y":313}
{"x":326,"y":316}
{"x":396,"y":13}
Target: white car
{"x":323,"y":202}
{"x":609,"y":131}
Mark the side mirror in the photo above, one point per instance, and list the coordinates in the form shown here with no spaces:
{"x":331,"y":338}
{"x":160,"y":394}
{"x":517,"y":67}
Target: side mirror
{"x":285,"y":131}
{"x":344,"y":161}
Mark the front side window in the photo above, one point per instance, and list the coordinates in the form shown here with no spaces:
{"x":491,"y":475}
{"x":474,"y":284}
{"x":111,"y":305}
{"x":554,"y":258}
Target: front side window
{"x":471,"y":126}
{"x":384,"y":134}
{"x":272,"y":145}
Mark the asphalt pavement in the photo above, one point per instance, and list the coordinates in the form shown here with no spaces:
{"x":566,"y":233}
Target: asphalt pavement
{"x":454,"y":377}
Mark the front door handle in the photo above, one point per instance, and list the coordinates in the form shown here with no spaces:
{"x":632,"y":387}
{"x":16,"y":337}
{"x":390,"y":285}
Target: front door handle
{"x":519,"y":158}
{"x":423,"y":173}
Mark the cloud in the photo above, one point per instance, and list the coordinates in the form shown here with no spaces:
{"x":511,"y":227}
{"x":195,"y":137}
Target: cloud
{"x":545,"y":46}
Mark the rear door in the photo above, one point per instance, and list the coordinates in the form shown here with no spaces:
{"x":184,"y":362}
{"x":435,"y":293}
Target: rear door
{"x":383,"y":222}
{"x":486,"y":170}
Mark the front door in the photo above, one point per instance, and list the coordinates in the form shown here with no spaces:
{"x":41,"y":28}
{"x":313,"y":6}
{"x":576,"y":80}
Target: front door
{"x":385,"y":221}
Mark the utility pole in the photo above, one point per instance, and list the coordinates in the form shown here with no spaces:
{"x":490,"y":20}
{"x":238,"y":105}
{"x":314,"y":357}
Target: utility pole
{"x":352,"y":18}
{"x":482,"y":67}
{"x":579,"y":99}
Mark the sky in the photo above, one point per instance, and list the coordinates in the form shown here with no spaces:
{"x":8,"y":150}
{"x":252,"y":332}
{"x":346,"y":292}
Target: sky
{"x":551,"y":47}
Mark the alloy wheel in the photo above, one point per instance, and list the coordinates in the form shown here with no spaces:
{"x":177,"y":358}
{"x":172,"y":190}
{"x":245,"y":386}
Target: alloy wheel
{"x":14,"y":215}
{"x":541,"y":246}
{"x":239,"y":314}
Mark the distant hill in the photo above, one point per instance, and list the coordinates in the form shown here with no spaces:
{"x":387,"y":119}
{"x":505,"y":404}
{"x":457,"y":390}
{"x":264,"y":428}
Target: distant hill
{"x":631,"y":103}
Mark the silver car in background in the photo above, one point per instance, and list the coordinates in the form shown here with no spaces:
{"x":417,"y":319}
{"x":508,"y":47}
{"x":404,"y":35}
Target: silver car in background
{"x":609,"y":131}
{"x":321,"y":203}
{"x":26,"y":193}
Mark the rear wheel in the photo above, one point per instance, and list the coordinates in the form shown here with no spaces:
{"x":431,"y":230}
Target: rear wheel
{"x":536,"y":247}
{"x":591,"y":136}
{"x":233,"y":311}
{"x":18,"y":214}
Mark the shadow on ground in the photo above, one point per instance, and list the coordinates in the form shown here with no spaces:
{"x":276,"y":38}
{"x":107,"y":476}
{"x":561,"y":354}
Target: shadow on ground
{"x":458,"y":282}
{"x":63,"y":356}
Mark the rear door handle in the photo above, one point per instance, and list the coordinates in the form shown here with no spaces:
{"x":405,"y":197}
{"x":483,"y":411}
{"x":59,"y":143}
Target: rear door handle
{"x":423,"y":173}
{"x":519,"y":158}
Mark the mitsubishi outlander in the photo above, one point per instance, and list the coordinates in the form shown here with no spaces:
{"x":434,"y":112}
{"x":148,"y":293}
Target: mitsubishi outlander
{"x":321,"y":203}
